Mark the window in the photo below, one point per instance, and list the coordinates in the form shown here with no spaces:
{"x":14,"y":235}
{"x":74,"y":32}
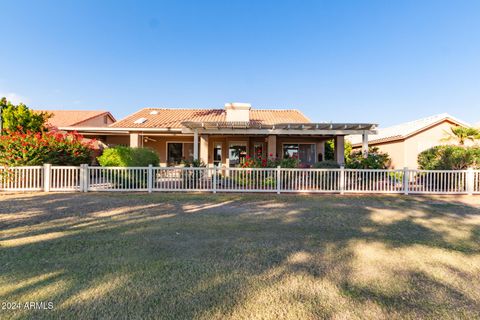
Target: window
{"x":178,"y":151}
{"x":237,"y":153}
{"x":105,"y":119}
{"x":304,"y":152}
{"x":217,"y":154}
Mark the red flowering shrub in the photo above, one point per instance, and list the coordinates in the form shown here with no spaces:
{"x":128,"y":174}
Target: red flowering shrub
{"x":264,"y":162}
{"x":29,"y":148}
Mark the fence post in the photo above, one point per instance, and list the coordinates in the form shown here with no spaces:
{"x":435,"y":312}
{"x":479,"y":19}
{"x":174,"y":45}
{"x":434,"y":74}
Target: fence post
{"x":82,"y":178}
{"x":150,"y":178}
{"x":342,"y":179}
{"x":279,"y":179}
{"x":406,"y":180}
{"x":86,"y":177}
{"x":215,"y":172}
{"x":47,"y":170}
{"x":470,"y":181}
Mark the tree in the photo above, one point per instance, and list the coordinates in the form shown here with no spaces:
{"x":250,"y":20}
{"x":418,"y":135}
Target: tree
{"x":449,"y":158}
{"x":21,"y":118}
{"x":462,"y":134}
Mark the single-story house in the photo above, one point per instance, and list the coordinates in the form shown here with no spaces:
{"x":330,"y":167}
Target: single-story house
{"x":79,"y":118}
{"x":226,"y":136}
{"x":405,"y":141}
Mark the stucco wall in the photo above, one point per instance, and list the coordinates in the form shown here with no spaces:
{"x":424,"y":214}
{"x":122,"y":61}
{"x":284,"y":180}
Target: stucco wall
{"x":396,"y":151}
{"x":95,"y":122}
{"x":424,"y":140}
{"x":404,"y":153}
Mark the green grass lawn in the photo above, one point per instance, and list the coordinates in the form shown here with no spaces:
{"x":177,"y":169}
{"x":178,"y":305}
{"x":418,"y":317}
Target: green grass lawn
{"x":180,"y":256}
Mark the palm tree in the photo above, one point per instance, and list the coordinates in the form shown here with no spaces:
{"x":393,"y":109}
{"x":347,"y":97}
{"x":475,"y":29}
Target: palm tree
{"x":462,"y":134}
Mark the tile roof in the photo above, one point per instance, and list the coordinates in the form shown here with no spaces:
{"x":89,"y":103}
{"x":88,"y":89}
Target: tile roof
{"x":404,"y":130}
{"x":173,"y":118}
{"x":68,"y":118}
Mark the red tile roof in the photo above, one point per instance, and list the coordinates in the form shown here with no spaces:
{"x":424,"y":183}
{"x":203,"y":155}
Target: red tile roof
{"x":173,"y":118}
{"x":68,"y":118}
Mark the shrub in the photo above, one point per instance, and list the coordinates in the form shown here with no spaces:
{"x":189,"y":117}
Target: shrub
{"x":375,"y":160}
{"x":449,"y":158}
{"x":30,"y":149}
{"x":328,"y":164}
{"x":128,"y":157}
{"x":21,"y":118}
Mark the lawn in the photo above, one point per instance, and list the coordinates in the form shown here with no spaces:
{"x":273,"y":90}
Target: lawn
{"x":180,"y":256}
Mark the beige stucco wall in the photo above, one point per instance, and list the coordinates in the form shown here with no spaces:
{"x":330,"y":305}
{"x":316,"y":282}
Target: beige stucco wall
{"x":404,"y":153}
{"x":117,"y":140}
{"x":396,"y":151}
{"x":95,"y":122}
{"x":425,"y":140}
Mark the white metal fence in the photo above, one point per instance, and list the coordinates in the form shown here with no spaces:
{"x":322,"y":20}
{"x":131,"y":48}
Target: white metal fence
{"x":85,"y":178}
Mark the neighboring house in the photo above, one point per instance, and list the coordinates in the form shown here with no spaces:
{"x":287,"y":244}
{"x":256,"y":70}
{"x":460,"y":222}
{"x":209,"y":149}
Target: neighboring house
{"x":226,"y":136}
{"x":405,"y":141}
{"x":77,"y":118}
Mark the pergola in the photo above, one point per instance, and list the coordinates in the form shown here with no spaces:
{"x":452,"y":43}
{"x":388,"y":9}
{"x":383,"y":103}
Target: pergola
{"x":337,"y":130}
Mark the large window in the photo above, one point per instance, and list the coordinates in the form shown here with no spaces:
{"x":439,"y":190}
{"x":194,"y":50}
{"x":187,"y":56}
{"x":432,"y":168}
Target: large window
{"x":177,"y":152}
{"x":237,"y":153}
{"x":306,"y":153}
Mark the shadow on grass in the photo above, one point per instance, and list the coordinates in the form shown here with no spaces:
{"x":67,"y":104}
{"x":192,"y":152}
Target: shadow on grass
{"x":238,"y":256}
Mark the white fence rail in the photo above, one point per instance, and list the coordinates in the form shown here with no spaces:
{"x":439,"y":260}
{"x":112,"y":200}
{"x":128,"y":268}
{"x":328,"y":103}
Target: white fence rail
{"x":276,"y":180}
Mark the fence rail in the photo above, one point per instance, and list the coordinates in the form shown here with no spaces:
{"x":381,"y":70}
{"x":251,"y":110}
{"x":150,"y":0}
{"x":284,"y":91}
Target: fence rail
{"x":221,"y":179}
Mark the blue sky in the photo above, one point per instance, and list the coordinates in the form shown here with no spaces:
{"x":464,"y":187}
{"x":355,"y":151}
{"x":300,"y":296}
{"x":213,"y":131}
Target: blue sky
{"x":344,"y":61}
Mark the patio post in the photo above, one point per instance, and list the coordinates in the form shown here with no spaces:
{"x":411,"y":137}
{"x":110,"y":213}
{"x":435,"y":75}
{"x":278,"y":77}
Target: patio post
{"x":365,"y":144}
{"x":195,"y":144}
{"x":135,"y":140}
{"x":340,"y":150}
{"x":204,"y":148}
{"x":272,"y":146}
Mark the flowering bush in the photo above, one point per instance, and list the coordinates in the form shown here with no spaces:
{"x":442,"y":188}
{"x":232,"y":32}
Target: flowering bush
{"x":36,"y":148}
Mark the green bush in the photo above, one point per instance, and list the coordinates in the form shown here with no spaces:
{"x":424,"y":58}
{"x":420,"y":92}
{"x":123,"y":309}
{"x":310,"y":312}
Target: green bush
{"x":22,"y":119}
{"x":328,"y":164}
{"x":128,"y":157}
{"x":375,"y":160}
{"x":449,"y":158}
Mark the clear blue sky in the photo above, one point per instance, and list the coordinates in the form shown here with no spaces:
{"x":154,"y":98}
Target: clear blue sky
{"x":343,"y":61}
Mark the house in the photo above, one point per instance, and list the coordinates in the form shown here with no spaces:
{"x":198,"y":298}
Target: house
{"x":226,"y":136}
{"x":405,"y":141}
{"x":79,"y":118}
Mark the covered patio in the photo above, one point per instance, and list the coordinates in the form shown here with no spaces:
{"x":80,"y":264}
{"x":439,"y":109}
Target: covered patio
{"x":303,"y":140}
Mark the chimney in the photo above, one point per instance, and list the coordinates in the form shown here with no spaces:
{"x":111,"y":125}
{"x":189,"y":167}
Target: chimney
{"x":238,"y":112}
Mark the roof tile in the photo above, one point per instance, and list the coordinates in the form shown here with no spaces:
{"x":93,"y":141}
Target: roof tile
{"x":68,"y":118}
{"x":173,"y":118}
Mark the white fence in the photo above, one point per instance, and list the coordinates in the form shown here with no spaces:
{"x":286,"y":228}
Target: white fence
{"x":84,"y":178}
